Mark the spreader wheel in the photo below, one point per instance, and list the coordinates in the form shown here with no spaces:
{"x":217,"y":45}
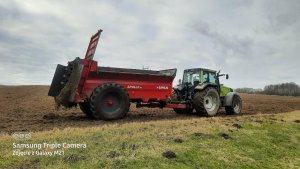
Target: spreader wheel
{"x":109,"y":102}
{"x":207,"y":101}
{"x":236,"y":107}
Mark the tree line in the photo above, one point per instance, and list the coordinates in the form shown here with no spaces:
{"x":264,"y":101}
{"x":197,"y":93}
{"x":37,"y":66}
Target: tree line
{"x":283,"y":89}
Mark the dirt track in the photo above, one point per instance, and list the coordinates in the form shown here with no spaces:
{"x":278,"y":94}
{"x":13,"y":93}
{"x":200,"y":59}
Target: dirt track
{"x":28,"y":108}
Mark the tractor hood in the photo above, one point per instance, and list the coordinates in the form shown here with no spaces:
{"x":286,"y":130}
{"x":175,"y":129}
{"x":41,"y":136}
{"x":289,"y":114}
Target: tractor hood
{"x":225,"y":90}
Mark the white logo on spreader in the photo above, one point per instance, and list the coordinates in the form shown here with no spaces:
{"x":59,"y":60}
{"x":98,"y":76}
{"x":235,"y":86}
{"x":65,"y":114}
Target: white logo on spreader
{"x":133,"y":87}
{"x":162,"y":87}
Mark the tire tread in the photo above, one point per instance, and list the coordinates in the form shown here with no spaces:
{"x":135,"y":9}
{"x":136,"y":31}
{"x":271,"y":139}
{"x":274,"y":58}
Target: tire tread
{"x":93,"y":101}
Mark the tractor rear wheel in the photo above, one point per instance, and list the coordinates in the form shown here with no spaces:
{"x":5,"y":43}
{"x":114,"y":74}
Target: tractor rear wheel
{"x":109,"y":102}
{"x":207,"y":102}
{"x":86,"y":109}
{"x":236,"y":107}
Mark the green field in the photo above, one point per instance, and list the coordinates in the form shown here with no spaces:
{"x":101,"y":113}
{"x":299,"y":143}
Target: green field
{"x":249,"y":141}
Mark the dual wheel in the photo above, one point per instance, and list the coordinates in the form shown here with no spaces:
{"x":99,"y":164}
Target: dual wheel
{"x":207,"y":103}
{"x":108,"y":102}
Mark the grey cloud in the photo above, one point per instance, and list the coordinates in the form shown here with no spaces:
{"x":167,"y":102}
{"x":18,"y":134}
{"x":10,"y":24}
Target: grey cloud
{"x":240,"y":45}
{"x":282,"y":15}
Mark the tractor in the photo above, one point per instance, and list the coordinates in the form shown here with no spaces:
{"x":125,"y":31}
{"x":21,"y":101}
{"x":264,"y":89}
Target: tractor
{"x":201,"y":90}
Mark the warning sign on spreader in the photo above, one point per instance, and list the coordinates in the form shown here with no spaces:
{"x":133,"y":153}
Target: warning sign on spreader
{"x":44,"y":149}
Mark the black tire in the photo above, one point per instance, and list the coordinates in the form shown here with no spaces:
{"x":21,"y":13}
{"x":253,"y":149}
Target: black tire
{"x":109,"y":102}
{"x":236,"y":107}
{"x":207,"y":101}
{"x":86,"y":109}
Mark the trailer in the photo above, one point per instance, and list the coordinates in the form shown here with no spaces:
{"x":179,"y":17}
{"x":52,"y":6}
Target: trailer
{"x":107,"y":92}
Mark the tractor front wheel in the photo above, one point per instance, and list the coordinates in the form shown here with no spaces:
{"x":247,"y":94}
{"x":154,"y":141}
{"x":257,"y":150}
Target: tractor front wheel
{"x":236,"y":107}
{"x":207,"y":101}
{"x":109,"y":102}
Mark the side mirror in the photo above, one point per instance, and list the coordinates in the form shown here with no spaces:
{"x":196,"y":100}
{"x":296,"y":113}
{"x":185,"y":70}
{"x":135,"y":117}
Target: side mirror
{"x":227,"y":76}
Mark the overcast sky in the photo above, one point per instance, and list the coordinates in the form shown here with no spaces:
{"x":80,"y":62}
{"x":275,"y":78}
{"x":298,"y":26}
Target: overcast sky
{"x":255,"y":42}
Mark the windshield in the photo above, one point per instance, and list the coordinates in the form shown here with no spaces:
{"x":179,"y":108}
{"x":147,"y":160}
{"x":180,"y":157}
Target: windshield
{"x":191,"y":77}
{"x":199,"y":76}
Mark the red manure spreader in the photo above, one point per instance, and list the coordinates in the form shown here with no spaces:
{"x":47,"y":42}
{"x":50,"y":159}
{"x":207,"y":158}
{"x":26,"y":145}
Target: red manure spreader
{"x":106,"y":92}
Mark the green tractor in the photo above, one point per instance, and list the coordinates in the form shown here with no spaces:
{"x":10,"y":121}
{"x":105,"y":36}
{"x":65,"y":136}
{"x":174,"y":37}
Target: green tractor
{"x":200,"y":89}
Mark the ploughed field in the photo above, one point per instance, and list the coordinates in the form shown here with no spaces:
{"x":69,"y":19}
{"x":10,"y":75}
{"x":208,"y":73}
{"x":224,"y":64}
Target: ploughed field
{"x":28,"y":108}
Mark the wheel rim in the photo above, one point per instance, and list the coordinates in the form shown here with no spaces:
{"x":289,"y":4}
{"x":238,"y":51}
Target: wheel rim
{"x":236,"y":106}
{"x":111,"y":102}
{"x":210,"y":102}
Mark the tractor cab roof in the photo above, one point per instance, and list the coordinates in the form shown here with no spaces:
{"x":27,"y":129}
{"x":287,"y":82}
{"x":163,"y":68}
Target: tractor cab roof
{"x":200,"y":69}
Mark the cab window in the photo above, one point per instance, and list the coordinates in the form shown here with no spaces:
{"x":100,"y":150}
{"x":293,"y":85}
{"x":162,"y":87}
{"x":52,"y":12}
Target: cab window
{"x":209,"y":77}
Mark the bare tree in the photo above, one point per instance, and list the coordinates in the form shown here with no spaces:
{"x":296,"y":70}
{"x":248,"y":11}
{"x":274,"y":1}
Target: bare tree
{"x":283,"y":89}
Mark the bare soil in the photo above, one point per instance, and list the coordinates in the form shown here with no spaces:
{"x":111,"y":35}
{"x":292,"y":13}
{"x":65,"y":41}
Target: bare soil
{"x":28,"y":108}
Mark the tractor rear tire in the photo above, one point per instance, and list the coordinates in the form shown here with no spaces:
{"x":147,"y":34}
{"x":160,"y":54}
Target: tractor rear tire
{"x":236,"y":107}
{"x":86,"y":109}
{"x":207,"y":102}
{"x":109,"y":101}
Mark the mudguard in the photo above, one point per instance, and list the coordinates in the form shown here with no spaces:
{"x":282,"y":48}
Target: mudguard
{"x":228,"y":99}
{"x":203,"y":86}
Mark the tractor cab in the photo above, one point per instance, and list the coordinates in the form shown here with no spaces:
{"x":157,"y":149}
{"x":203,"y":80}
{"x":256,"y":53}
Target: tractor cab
{"x":200,"y":76}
